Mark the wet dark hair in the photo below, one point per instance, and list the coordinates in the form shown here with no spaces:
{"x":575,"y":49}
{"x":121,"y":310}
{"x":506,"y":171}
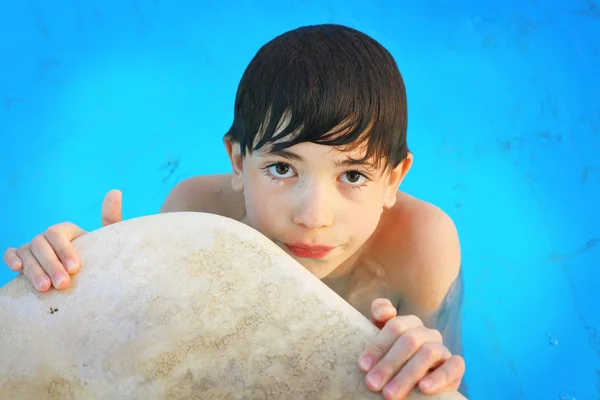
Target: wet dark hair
{"x":332,"y":85}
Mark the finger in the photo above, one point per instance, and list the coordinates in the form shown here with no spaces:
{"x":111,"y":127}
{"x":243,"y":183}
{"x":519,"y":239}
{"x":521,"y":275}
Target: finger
{"x":429,"y":356}
{"x":448,"y":375}
{"x":60,"y":237}
{"x":48,"y":260}
{"x":32,"y":269}
{"x":12,"y":260}
{"x":382,"y":310}
{"x":112,"y":208}
{"x":386,"y":338}
{"x":403,"y":349}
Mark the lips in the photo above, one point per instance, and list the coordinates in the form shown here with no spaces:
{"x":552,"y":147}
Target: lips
{"x":308,"y":251}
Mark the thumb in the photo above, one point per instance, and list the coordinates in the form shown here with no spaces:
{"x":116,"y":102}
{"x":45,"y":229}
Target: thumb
{"x":112,"y":208}
{"x":382,"y":310}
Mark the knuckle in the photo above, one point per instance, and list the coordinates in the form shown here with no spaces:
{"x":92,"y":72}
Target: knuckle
{"x":67,"y":226}
{"x":23,"y":250}
{"x":410,"y":341}
{"x":436,"y":335}
{"x":415,"y":320}
{"x":377,"y":350}
{"x":54,"y":230}
{"x":38,"y":241}
{"x":460,"y":362}
{"x":396,"y":326}
{"x":431,"y":351}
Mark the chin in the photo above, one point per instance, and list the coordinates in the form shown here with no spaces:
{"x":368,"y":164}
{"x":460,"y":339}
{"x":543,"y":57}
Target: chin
{"x":318,"y":268}
{"x":318,"y":273}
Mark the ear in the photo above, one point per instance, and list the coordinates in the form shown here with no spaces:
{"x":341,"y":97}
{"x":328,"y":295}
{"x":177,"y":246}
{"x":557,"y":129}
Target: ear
{"x":235,"y":157}
{"x":395,"y":179}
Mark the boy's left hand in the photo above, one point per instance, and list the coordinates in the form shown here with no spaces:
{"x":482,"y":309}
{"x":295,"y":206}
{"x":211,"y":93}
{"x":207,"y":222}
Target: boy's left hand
{"x":406,"y":354}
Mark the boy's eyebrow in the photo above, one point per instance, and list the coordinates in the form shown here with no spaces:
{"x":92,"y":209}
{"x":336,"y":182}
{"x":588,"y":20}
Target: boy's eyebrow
{"x":290,"y":155}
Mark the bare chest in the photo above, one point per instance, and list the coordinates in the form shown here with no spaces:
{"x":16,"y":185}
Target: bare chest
{"x":364,"y":283}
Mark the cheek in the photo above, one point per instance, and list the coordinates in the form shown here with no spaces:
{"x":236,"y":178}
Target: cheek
{"x":363,"y":222}
{"x":264,"y":207}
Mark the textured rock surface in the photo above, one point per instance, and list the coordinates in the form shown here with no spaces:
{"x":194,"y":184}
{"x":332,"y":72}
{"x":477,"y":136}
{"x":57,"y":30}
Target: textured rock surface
{"x":182,"y":306}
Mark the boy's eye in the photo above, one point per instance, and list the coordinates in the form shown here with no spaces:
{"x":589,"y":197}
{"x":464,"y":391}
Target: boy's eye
{"x":280,"y":170}
{"x":354,"y":177}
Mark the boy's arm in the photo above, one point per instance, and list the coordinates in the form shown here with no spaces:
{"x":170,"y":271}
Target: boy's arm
{"x":181,"y":197}
{"x":433,"y":283}
{"x":446,"y":319}
{"x":427,"y":276}
{"x":436,"y":291}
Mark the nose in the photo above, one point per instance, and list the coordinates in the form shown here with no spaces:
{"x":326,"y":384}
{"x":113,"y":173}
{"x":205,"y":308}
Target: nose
{"x":314,"y":206}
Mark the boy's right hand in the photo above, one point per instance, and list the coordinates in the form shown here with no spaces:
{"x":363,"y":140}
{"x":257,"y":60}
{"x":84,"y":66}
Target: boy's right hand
{"x":50,"y":258}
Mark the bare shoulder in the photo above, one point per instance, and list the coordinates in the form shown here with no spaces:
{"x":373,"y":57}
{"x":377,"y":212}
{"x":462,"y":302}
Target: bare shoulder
{"x":426,"y":259}
{"x":209,"y":193}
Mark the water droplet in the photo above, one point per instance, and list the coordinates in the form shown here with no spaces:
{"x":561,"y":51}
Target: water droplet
{"x":553,"y":342}
{"x":566,"y":396}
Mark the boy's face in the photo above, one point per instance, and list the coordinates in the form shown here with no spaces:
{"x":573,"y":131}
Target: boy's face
{"x":312,"y":201}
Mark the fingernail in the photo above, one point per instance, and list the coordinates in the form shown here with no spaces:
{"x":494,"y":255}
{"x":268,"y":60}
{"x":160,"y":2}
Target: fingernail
{"x":58,"y":279}
{"x":366,"y":362}
{"x":71,"y":265}
{"x":14,"y":264}
{"x":374,"y":380}
{"x":40,"y":282}
{"x":426,"y":383}
{"x":382,"y":312}
{"x":391,"y":389}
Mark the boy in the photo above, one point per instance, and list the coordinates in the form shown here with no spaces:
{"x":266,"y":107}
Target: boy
{"x":318,"y":151}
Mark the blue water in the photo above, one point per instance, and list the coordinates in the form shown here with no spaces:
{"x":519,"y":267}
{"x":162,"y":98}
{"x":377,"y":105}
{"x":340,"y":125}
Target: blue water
{"x":504,"y":120}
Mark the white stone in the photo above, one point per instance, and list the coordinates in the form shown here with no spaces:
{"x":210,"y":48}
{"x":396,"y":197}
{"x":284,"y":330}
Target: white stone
{"x":182,"y":306}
